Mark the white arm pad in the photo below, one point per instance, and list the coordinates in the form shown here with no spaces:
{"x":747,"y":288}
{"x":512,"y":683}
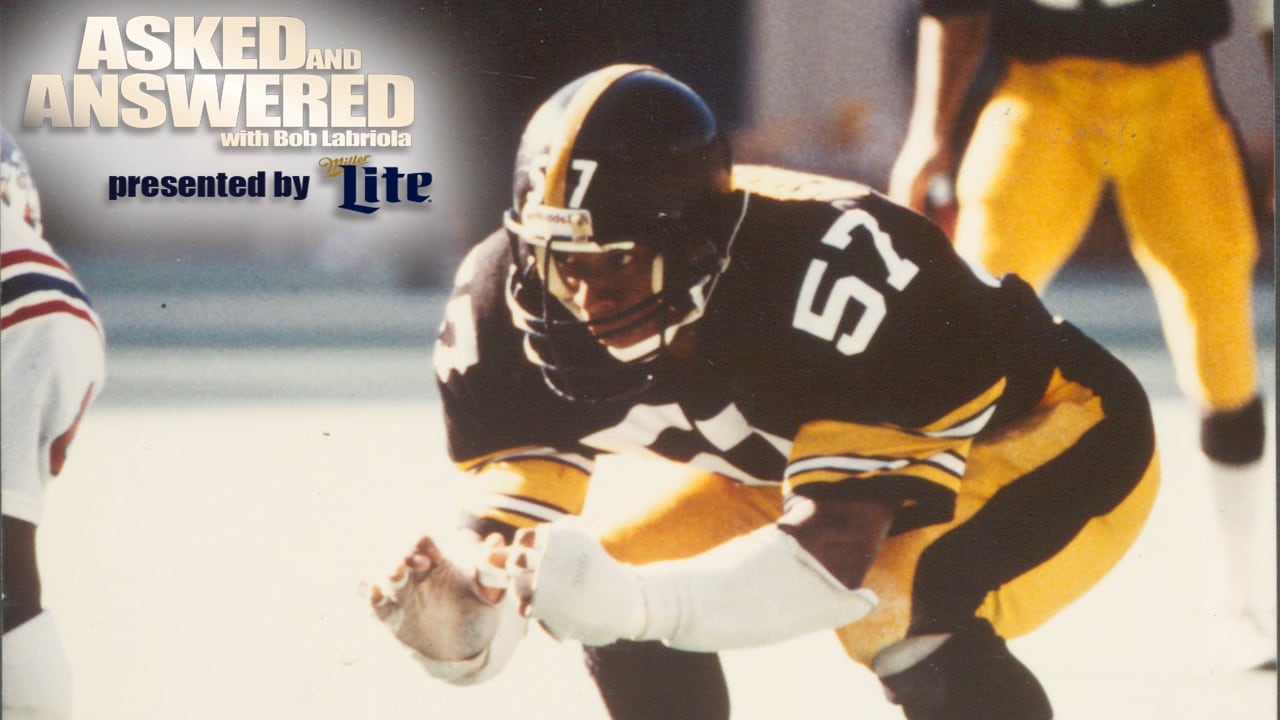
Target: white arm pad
{"x":490,"y":661}
{"x":754,"y":590}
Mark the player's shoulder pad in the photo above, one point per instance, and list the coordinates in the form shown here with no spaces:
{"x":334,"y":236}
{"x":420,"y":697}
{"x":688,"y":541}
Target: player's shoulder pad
{"x":485,"y":261}
{"x":784,"y":184}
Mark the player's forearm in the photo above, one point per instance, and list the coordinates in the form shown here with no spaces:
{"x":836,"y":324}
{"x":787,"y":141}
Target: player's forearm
{"x":947,"y":58}
{"x":754,"y":590}
{"x":799,"y":576}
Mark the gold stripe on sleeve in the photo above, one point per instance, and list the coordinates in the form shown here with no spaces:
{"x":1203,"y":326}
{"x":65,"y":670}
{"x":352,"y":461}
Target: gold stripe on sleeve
{"x":545,"y":486}
{"x":832,"y":451}
{"x":969,"y":410}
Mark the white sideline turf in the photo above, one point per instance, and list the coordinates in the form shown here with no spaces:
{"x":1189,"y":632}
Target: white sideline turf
{"x":204,"y":561}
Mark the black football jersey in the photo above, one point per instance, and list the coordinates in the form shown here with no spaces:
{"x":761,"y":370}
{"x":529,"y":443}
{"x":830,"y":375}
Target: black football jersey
{"x":846,"y":348}
{"x":1128,"y":30}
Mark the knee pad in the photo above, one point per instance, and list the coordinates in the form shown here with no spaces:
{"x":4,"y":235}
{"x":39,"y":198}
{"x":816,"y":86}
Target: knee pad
{"x":966,"y":674}
{"x":648,"y":680}
{"x":1234,"y":437}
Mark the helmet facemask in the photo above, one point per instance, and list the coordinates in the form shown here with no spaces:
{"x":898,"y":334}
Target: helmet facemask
{"x":582,"y":355}
{"x":625,"y":160}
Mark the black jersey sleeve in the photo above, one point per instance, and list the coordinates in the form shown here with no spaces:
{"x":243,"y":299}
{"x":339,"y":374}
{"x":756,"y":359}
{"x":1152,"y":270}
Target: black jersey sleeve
{"x":493,"y":398}
{"x":521,"y":468}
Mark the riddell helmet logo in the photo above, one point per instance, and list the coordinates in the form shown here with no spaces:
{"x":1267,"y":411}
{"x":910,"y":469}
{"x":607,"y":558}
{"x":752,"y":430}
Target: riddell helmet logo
{"x":542,"y":222}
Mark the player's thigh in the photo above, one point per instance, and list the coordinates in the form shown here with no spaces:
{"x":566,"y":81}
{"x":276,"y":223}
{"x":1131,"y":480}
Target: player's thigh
{"x":1027,"y":188}
{"x":1084,"y":479}
{"x":1184,"y":197}
{"x":1032,"y":598}
{"x":1186,"y":206}
{"x":1063,"y":523}
{"x":1046,"y":509}
{"x":921,"y":572}
{"x":664,"y":511}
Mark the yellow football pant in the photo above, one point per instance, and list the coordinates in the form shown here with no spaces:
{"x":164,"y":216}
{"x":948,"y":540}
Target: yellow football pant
{"x":705,"y":509}
{"x":1049,"y":141}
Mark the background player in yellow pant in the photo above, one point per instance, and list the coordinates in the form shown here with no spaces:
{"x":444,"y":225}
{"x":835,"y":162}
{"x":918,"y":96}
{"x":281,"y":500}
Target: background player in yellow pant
{"x":1112,"y":94}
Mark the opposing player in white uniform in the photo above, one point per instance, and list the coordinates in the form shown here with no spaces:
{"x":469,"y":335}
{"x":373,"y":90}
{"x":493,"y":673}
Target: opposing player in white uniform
{"x":52,"y":367}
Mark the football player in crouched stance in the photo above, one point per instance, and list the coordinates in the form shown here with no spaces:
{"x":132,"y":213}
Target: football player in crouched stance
{"x":879,"y":440}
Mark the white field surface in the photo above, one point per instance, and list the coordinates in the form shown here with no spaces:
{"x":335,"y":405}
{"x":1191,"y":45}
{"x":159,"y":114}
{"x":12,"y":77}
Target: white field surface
{"x":203,"y":562}
{"x":244,"y":472}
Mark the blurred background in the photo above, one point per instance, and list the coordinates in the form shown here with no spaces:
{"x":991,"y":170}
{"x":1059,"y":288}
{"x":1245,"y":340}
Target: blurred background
{"x":823,"y":85}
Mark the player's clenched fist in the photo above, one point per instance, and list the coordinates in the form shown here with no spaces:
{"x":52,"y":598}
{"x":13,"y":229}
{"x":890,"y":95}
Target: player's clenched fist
{"x":453,"y":613}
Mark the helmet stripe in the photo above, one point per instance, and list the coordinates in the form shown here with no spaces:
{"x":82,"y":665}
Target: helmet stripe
{"x":574,"y":115}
